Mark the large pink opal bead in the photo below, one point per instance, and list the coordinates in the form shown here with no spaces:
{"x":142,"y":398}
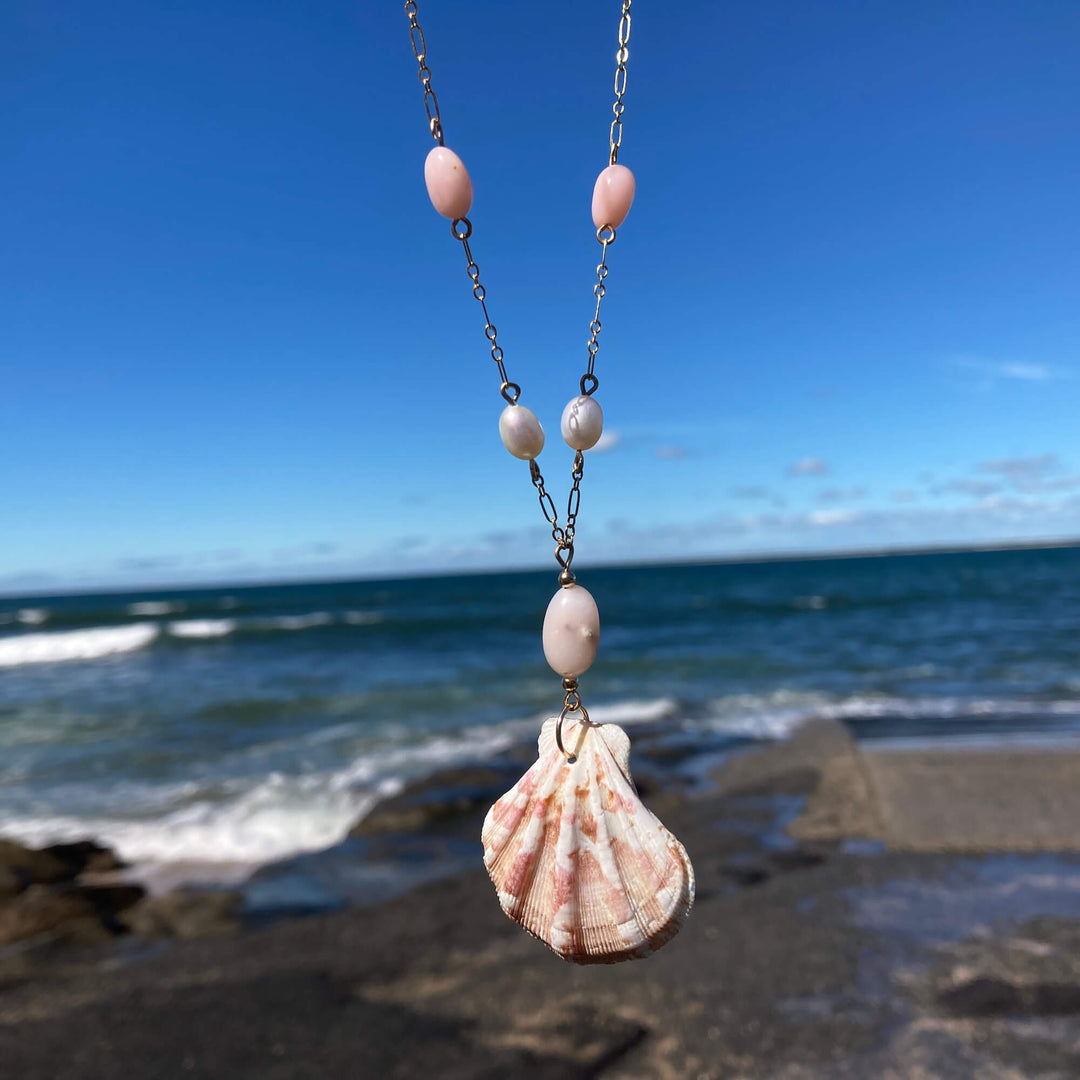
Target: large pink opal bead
{"x":448,"y":183}
{"x":571,"y":631}
{"x":612,"y":196}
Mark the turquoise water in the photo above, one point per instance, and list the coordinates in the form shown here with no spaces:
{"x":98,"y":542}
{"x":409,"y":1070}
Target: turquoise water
{"x":250,"y":724}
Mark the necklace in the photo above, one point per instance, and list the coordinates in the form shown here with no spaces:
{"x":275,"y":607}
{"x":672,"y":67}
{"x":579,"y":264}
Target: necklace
{"x":574,"y":855}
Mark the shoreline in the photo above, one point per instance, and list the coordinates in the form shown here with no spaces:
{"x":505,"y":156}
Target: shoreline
{"x":815,"y":950}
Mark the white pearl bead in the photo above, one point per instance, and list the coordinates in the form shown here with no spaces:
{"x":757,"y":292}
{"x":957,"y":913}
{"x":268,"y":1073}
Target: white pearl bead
{"x":521,"y":432}
{"x":582,"y":422}
{"x":571,"y":631}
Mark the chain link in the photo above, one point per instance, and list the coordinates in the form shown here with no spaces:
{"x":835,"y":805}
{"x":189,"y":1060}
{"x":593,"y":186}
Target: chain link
{"x":589,"y":382}
{"x":509,"y":390}
{"x":419,"y":48}
{"x":621,"y":56}
{"x":461,"y":228}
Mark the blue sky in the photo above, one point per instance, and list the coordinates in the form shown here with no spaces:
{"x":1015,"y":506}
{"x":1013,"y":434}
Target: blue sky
{"x":237,"y":342}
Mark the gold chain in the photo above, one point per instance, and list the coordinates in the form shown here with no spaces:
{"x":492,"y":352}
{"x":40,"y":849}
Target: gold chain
{"x":620,"y":81}
{"x":461,"y":229}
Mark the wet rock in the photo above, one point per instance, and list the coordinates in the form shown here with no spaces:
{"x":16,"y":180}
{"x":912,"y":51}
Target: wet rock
{"x":185,"y":914}
{"x":41,"y":909}
{"x":666,"y":752}
{"x":987,"y":995}
{"x":109,"y":901}
{"x":745,"y":872}
{"x":34,"y":867}
{"x":983,"y":995}
{"x":1035,"y":971}
{"x":11,"y":883}
{"x":85,"y":857}
{"x":582,"y":1039}
{"x":58,"y":862}
{"x":38,"y":910}
{"x":450,"y":794}
{"x":1055,"y":999}
{"x":795,"y":859}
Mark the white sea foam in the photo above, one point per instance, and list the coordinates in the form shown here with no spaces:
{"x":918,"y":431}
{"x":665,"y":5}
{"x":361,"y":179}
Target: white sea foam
{"x":776,"y":715}
{"x":278,"y":818}
{"x":274,"y":818}
{"x":363,"y":618}
{"x":763,"y":716}
{"x":298,"y":622}
{"x":92,"y":644}
{"x":202,"y":628}
{"x":155,"y":607}
{"x":628,"y":713}
{"x":33,"y":616}
{"x":278,"y":815}
{"x":250,"y":820}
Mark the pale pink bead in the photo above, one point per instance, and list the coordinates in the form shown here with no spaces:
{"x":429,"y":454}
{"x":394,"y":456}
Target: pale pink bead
{"x":571,"y":631}
{"x":448,"y":183}
{"x":612,"y":196}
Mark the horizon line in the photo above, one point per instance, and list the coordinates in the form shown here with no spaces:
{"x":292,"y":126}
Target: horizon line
{"x":738,"y":559}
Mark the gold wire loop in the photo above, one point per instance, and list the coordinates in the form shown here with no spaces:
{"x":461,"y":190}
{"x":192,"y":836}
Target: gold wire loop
{"x":585,"y":722}
{"x":462,"y":234}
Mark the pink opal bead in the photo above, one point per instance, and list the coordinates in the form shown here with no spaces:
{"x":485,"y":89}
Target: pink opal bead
{"x":571,"y":631}
{"x":448,"y":183}
{"x":612,"y":196}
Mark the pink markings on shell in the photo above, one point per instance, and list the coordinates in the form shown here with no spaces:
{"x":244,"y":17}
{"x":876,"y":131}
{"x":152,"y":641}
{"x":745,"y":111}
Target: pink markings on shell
{"x":612,"y":196}
{"x":520,"y":873}
{"x":448,"y":183}
{"x":580,"y":863}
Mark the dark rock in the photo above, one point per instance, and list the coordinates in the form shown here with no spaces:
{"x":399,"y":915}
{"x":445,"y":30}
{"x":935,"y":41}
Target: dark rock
{"x":667,"y":752}
{"x":108,"y":901}
{"x":1055,"y":999}
{"x":745,"y":872}
{"x":11,"y":883}
{"x":983,"y":995}
{"x":59,"y":862}
{"x":582,"y":1037}
{"x":41,"y":909}
{"x":35,"y":867}
{"x":85,"y":857}
{"x":450,"y":794}
{"x":185,"y":914}
{"x":795,"y":859}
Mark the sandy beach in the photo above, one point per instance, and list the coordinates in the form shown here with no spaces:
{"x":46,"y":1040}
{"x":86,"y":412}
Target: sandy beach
{"x":885,"y":913}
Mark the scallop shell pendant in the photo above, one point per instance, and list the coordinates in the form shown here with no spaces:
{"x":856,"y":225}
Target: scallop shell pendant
{"x":576,"y":858}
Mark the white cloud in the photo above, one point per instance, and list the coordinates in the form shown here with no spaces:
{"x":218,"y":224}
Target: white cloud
{"x":1021,"y":467}
{"x":835,"y":495}
{"x":1019,"y":370}
{"x":1029,"y":372}
{"x":757,"y":493}
{"x":832,"y":517}
{"x":808,"y":466}
{"x":1032,"y":474}
{"x":607,"y":442}
{"x":979,"y":489}
{"x":671,"y":453}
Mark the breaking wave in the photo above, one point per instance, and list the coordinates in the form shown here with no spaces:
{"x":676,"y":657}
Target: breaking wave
{"x":202,"y":628}
{"x":65,"y":645}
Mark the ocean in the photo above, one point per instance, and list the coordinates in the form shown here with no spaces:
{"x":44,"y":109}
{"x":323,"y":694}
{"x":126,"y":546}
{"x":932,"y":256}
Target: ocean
{"x":241,"y":726}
